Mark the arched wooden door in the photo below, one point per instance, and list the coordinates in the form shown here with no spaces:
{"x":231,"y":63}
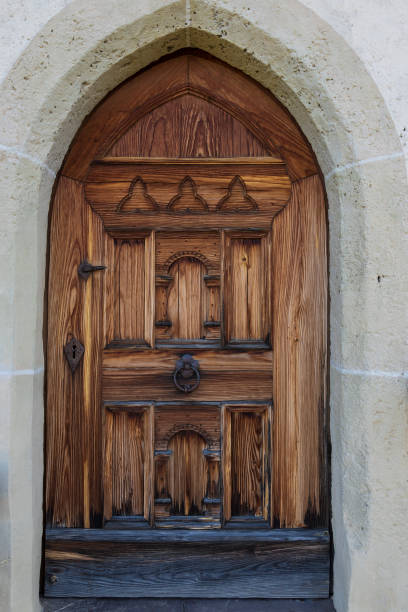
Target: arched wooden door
{"x":186,"y":421}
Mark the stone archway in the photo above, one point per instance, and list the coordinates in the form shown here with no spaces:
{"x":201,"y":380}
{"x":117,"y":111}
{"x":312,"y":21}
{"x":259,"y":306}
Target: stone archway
{"x":44,"y":111}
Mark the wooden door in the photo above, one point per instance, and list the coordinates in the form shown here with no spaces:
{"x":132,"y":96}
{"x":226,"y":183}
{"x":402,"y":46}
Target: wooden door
{"x":186,"y":421}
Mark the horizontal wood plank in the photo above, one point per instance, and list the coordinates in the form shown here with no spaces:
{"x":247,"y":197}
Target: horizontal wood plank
{"x":187,"y":563}
{"x":148,"y":375}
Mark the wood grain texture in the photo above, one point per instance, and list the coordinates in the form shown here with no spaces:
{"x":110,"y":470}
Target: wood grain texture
{"x":300,"y":337}
{"x":187,"y":299}
{"x":187,"y":473}
{"x":246,"y":287}
{"x":130,"y":301}
{"x":73,"y":419}
{"x":157,"y":134}
{"x":128,"y":450}
{"x":208,"y":81}
{"x":247,"y":456}
{"x":188,"y":563}
{"x":233,"y":375}
{"x":181,"y":185}
{"x":202,"y":419}
{"x":189,"y":166}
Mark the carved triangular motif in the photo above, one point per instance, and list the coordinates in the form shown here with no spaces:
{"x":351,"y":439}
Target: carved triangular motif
{"x":237,"y":198}
{"x":187,"y":198}
{"x":137,"y":198}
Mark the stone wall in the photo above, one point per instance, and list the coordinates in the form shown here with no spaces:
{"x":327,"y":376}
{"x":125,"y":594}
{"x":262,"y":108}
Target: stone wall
{"x":340,"y":68}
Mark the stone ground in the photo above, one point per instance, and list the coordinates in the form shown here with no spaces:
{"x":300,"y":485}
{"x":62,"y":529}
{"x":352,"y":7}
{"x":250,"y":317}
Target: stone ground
{"x":188,"y":605}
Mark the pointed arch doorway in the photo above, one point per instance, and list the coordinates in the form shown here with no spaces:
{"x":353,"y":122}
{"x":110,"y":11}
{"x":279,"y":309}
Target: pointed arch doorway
{"x":186,"y":433}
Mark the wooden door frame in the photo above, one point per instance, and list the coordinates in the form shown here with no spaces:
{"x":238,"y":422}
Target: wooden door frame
{"x":262,"y":114}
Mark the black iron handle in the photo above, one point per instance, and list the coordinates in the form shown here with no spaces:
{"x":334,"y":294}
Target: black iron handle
{"x":186,"y":376}
{"x":85,"y":269}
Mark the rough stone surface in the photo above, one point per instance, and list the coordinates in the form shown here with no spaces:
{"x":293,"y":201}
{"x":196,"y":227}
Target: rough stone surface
{"x":340,"y":68}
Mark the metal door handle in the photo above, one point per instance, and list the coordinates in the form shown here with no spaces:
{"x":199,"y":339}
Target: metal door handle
{"x":85,"y":269}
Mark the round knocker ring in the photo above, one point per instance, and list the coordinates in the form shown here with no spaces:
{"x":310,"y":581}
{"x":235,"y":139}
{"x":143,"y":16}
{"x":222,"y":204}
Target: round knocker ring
{"x":186,"y":376}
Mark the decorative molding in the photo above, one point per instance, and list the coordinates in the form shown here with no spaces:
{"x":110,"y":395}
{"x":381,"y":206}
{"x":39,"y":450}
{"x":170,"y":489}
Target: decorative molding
{"x":188,"y":427}
{"x":182,"y":254}
{"x":137,"y":187}
{"x":237,"y":183}
{"x":187,"y":188}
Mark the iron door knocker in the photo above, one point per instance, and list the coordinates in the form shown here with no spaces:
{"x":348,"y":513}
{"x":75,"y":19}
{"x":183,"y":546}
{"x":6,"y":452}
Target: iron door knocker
{"x":186,"y":376}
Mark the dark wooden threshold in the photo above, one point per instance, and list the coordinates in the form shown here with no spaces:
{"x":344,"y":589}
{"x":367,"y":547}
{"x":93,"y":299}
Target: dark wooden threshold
{"x":186,"y":605}
{"x":208,"y":563}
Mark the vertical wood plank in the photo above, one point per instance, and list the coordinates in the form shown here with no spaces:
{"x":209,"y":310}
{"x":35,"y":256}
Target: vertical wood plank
{"x":130,"y":312}
{"x":64,"y":465}
{"x":226,"y":464}
{"x":73,"y":419}
{"x":300,"y":332}
{"x":150,"y":290}
{"x":107,"y":462}
{"x":149,"y":464}
{"x":111,"y":289}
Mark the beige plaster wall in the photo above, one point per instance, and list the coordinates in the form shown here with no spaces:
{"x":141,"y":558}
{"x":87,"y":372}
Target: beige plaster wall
{"x":340,"y":69}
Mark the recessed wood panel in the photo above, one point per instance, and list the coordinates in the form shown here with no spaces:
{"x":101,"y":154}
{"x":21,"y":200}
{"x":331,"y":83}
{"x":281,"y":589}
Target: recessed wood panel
{"x":129,"y":305}
{"x":246,"y":467}
{"x":247,"y":454}
{"x":187,"y":473}
{"x":128,"y":451}
{"x":246,"y":285}
{"x":187,"y":299}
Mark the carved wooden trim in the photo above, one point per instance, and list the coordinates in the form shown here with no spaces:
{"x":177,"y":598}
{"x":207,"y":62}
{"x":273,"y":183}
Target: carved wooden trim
{"x":237,"y":180}
{"x":137,"y":180}
{"x":189,"y":182}
{"x":189,"y":427}
{"x":182,"y":254}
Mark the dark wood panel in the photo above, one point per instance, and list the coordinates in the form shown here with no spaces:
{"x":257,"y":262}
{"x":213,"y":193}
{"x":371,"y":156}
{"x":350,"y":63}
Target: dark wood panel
{"x":156,"y":536}
{"x":182,"y":563}
{"x":300,"y":337}
{"x":188,"y":127}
